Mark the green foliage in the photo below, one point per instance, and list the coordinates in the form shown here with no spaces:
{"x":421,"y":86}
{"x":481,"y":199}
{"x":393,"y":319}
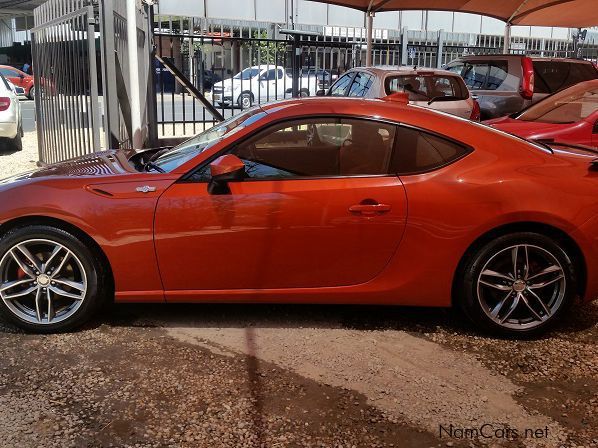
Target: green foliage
{"x":265,"y":52}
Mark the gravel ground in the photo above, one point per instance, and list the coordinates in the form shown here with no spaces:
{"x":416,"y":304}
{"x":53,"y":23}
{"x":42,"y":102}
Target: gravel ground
{"x":22,"y":161}
{"x":296,"y":376}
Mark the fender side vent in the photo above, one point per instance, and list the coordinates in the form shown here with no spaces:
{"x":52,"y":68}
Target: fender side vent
{"x":101,"y":192}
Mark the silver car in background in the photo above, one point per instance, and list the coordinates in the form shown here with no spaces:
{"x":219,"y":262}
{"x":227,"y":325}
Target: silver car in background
{"x":11,"y":125}
{"x":506,"y":84}
{"x":431,"y":88}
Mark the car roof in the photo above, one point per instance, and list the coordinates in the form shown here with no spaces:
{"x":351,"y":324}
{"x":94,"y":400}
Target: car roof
{"x":355,"y":106}
{"x":408,"y":70}
{"x":483,"y":57}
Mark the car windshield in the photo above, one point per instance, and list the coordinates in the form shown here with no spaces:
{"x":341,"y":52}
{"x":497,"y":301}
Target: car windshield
{"x":248,"y":73}
{"x":568,"y":106}
{"x":198,"y":144}
{"x":426,"y":87}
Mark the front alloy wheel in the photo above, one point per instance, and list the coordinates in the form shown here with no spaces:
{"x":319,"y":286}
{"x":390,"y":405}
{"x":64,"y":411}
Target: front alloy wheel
{"x":48,"y":279}
{"x":519,"y":284}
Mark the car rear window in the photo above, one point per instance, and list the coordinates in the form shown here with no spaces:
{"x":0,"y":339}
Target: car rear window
{"x":552,"y":76}
{"x":419,"y":151}
{"x":485,"y":75}
{"x":426,"y":87}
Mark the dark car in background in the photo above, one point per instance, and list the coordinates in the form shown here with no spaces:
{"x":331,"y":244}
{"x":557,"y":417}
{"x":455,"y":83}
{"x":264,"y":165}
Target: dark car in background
{"x":506,"y":84}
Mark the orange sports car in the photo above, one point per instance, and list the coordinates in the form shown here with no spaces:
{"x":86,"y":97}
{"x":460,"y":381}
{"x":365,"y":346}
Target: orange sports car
{"x":318,"y":200}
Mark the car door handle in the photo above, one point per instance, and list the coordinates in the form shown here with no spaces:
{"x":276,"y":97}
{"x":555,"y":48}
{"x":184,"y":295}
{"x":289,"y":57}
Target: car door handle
{"x":370,"y":209}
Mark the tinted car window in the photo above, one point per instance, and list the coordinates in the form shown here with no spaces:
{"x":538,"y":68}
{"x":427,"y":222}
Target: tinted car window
{"x":319,"y":147}
{"x":418,"y":151}
{"x":426,"y":87}
{"x":361,"y":84}
{"x":341,"y":86}
{"x":551,"y":76}
{"x":497,"y":73}
{"x":474,"y":75}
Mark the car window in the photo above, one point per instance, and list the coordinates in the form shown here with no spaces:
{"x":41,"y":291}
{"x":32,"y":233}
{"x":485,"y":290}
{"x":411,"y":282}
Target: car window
{"x":361,"y":84}
{"x":341,"y":86}
{"x":426,"y":87}
{"x":280,"y":73}
{"x":497,"y":73}
{"x":418,"y":151}
{"x":455,"y":67}
{"x":319,"y":147}
{"x":474,"y":75}
{"x":189,"y":149}
{"x":552,"y":76}
{"x":568,"y":106}
{"x":9,"y":73}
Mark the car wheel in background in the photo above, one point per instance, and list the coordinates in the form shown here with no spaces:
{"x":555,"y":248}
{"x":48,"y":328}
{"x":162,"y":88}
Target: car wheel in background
{"x":518,"y":284}
{"x":31,"y":94}
{"x":49,"y":279}
{"x":304,"y":92}
{"x":16,"y":144}
{"x":245,"y":100}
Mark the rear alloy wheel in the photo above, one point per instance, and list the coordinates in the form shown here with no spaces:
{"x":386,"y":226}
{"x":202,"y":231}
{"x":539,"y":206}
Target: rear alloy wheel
{"x":31,"y":94}
{"x":48,"y":279}
{"x":518,"y":284}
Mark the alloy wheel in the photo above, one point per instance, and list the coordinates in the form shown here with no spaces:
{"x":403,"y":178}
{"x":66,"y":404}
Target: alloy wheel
{"x":521,"y":286}
{"x":42,"y":281}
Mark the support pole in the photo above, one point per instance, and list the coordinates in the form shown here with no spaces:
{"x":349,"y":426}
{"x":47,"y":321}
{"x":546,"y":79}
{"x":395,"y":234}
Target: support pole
{"x":507,"y":39}
{"x":370,"y":33}
{"x":134,"y":82}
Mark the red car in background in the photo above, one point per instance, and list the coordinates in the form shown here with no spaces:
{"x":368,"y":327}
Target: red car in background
{"x":20,"y":79}
{"x":569,"y":116}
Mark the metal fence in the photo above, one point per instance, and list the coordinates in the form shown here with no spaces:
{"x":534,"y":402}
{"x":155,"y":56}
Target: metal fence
{"x":213,"y":53}
{"x":190,"y":70}
{"x":213,"y":58}
{"x":66,"y":92}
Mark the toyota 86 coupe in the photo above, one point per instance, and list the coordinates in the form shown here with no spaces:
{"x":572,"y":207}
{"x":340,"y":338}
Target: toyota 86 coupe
{"x":318,"y":200}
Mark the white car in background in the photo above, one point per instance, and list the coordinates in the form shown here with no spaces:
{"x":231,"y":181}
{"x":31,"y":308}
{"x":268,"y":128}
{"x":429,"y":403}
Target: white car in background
{"x":260,"y":84}
{"x":431,"y":88}
{"x":11,"y":125}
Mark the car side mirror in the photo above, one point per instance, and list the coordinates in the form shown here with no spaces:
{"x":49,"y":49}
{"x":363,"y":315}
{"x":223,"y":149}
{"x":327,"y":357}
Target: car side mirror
{"x":21,"y":76}
{"x":223,"y":170}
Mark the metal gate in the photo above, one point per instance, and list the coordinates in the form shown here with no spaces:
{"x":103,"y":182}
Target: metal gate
{"x":66,"y":82}
{"x":81,"y":109}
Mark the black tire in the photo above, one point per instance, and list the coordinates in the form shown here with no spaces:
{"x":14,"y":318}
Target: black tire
{"x":247,"y":98}
{"x":31,"y":94}
{"x":16,"y":144}
{"x":96,"y":278}
{"x":468,"y":291}
{"x":304,"y":93}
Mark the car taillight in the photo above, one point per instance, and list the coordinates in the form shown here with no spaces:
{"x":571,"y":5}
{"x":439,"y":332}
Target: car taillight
{"x":526,"y":89}
{"x":4,"y":103}
{"x":475,"y":111}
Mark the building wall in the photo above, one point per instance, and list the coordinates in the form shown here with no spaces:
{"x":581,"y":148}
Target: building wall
{"x":312,"y":13}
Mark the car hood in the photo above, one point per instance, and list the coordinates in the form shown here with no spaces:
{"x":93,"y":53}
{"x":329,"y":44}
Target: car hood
{"x":99,"y":164}
{"x":527,"y":129}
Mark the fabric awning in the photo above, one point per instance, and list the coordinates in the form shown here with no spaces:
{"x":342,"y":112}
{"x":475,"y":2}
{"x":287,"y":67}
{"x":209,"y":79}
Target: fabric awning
{"x":565,"y":13}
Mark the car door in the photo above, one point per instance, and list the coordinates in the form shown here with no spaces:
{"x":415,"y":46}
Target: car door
{"x":267,"y":85}
{"x":317,"y":209}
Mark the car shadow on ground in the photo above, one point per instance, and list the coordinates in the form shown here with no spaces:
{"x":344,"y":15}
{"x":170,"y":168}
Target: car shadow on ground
{"x":414,"y":320}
